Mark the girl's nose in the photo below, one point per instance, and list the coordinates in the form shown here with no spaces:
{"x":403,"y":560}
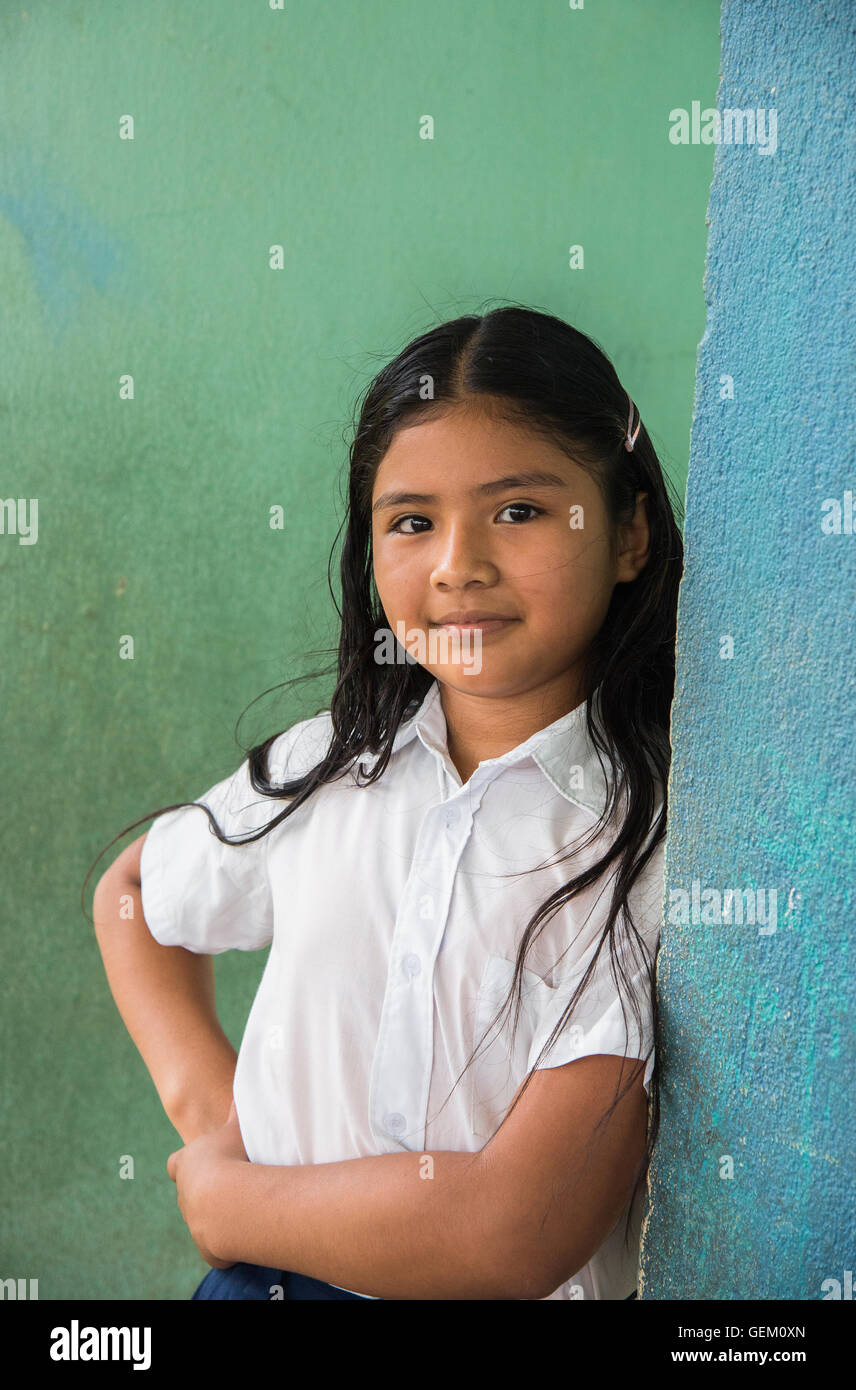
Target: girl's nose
{"x":462,"y":555}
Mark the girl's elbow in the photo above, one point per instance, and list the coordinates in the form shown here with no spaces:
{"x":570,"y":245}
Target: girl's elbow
{"x":518,"y":1270}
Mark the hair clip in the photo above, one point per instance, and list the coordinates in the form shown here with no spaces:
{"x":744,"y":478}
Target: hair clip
{"x":630,"y":439}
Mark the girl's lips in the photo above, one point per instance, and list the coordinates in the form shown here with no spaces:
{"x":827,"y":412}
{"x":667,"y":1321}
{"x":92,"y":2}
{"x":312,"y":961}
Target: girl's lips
{"x":480,"y":624}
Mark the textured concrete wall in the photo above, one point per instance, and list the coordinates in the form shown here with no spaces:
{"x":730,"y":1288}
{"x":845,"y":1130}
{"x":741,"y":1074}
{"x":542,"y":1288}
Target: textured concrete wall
{"x":752,"y":1189}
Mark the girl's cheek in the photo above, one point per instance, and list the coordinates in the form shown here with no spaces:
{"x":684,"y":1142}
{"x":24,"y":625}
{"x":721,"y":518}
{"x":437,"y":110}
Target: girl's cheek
{"x":552,"y":566}
{"x":394,"y":566}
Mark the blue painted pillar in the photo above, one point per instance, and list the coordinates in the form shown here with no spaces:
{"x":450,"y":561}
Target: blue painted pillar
{"x":751,"y":1191}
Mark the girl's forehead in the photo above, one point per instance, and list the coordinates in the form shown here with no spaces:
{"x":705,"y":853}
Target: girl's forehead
{"x":468,"y":425}
{"x":483,"y":447}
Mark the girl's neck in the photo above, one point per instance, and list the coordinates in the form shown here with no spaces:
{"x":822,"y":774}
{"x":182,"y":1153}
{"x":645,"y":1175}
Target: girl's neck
{"x":480,"y":727}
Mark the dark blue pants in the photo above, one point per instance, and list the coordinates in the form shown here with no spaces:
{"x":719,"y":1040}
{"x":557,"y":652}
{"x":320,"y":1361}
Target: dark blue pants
{"x":254,"y":1281}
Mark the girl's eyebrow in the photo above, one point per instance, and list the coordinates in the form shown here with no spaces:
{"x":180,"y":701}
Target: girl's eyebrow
{"x":514,"y":480}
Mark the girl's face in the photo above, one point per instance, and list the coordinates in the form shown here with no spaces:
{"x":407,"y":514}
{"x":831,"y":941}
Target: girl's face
{"x":462,"y":528}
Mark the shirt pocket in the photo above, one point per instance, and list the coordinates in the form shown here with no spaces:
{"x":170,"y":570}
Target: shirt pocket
{"x":500,"y":1066}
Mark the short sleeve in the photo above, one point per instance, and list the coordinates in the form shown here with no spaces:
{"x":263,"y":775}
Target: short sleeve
{"x":208,"y":896}
{"x":598,"y":1024}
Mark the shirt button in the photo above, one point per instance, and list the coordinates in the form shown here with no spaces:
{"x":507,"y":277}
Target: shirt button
{"x":453,"y":815}
{"x":411,"y":965}
{"x":394,"y":1123}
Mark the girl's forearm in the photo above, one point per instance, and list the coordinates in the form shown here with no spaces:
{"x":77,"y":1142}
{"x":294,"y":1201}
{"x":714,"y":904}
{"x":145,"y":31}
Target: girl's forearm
{"x":165,"y":996}
{"x":397,"y":1226}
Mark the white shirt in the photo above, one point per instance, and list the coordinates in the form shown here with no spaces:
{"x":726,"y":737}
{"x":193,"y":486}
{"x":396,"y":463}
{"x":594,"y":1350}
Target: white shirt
{"x":393,"y":935}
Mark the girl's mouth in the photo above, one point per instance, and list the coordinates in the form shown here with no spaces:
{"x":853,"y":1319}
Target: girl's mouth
{"x":478,"y":625}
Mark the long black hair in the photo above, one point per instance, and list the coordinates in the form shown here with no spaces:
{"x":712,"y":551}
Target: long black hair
{"x":535,"y":370}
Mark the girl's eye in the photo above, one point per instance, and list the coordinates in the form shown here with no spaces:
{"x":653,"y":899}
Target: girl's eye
{"x":523,"y":507}
{"x":396,"y":525}
{"x":511,"y":507}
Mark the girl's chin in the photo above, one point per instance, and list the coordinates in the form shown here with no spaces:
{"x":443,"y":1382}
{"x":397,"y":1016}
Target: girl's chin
{"x":490,"y":679}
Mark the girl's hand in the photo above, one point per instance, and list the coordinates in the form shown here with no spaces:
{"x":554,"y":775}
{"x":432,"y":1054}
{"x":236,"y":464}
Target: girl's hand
{"x":198,"y":1171}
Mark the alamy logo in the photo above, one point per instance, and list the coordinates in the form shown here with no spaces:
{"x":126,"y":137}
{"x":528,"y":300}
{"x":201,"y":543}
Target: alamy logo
{"x":78,"y":1343}
{"x":17,"y":1288}
{"x":832,"y":1288}
{"x":442,"y":646}
{"x":733,"y":126}
{"x":715,"y":907}
{"x":14,"y":520}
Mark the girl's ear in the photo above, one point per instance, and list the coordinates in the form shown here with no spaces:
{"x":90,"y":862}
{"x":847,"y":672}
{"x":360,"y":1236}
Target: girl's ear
{"x":634,"y":544}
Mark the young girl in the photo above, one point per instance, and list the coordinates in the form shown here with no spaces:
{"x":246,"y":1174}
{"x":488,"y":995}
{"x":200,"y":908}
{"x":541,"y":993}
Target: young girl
{"x":474,"y":829}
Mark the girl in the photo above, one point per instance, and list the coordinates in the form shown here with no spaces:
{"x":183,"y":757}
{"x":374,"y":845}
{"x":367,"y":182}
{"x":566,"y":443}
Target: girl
{"x":473,"y":829}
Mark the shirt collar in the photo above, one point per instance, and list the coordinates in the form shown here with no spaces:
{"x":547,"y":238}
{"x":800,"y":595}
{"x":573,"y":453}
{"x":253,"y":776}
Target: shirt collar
{"x":563,"y":750}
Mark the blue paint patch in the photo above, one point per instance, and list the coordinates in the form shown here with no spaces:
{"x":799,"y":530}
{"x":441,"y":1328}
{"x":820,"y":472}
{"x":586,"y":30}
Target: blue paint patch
{"x":70,"y":252}
{"x":758,"y":1052}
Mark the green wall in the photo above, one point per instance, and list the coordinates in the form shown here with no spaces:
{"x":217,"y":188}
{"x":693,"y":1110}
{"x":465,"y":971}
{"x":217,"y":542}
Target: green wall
{"x":149,"y":257}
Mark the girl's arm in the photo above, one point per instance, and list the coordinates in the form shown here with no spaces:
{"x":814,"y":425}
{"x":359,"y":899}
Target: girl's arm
{"x":402,"y":1225}
{"x":165,"y":995}
{"x":512,"y":1221}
